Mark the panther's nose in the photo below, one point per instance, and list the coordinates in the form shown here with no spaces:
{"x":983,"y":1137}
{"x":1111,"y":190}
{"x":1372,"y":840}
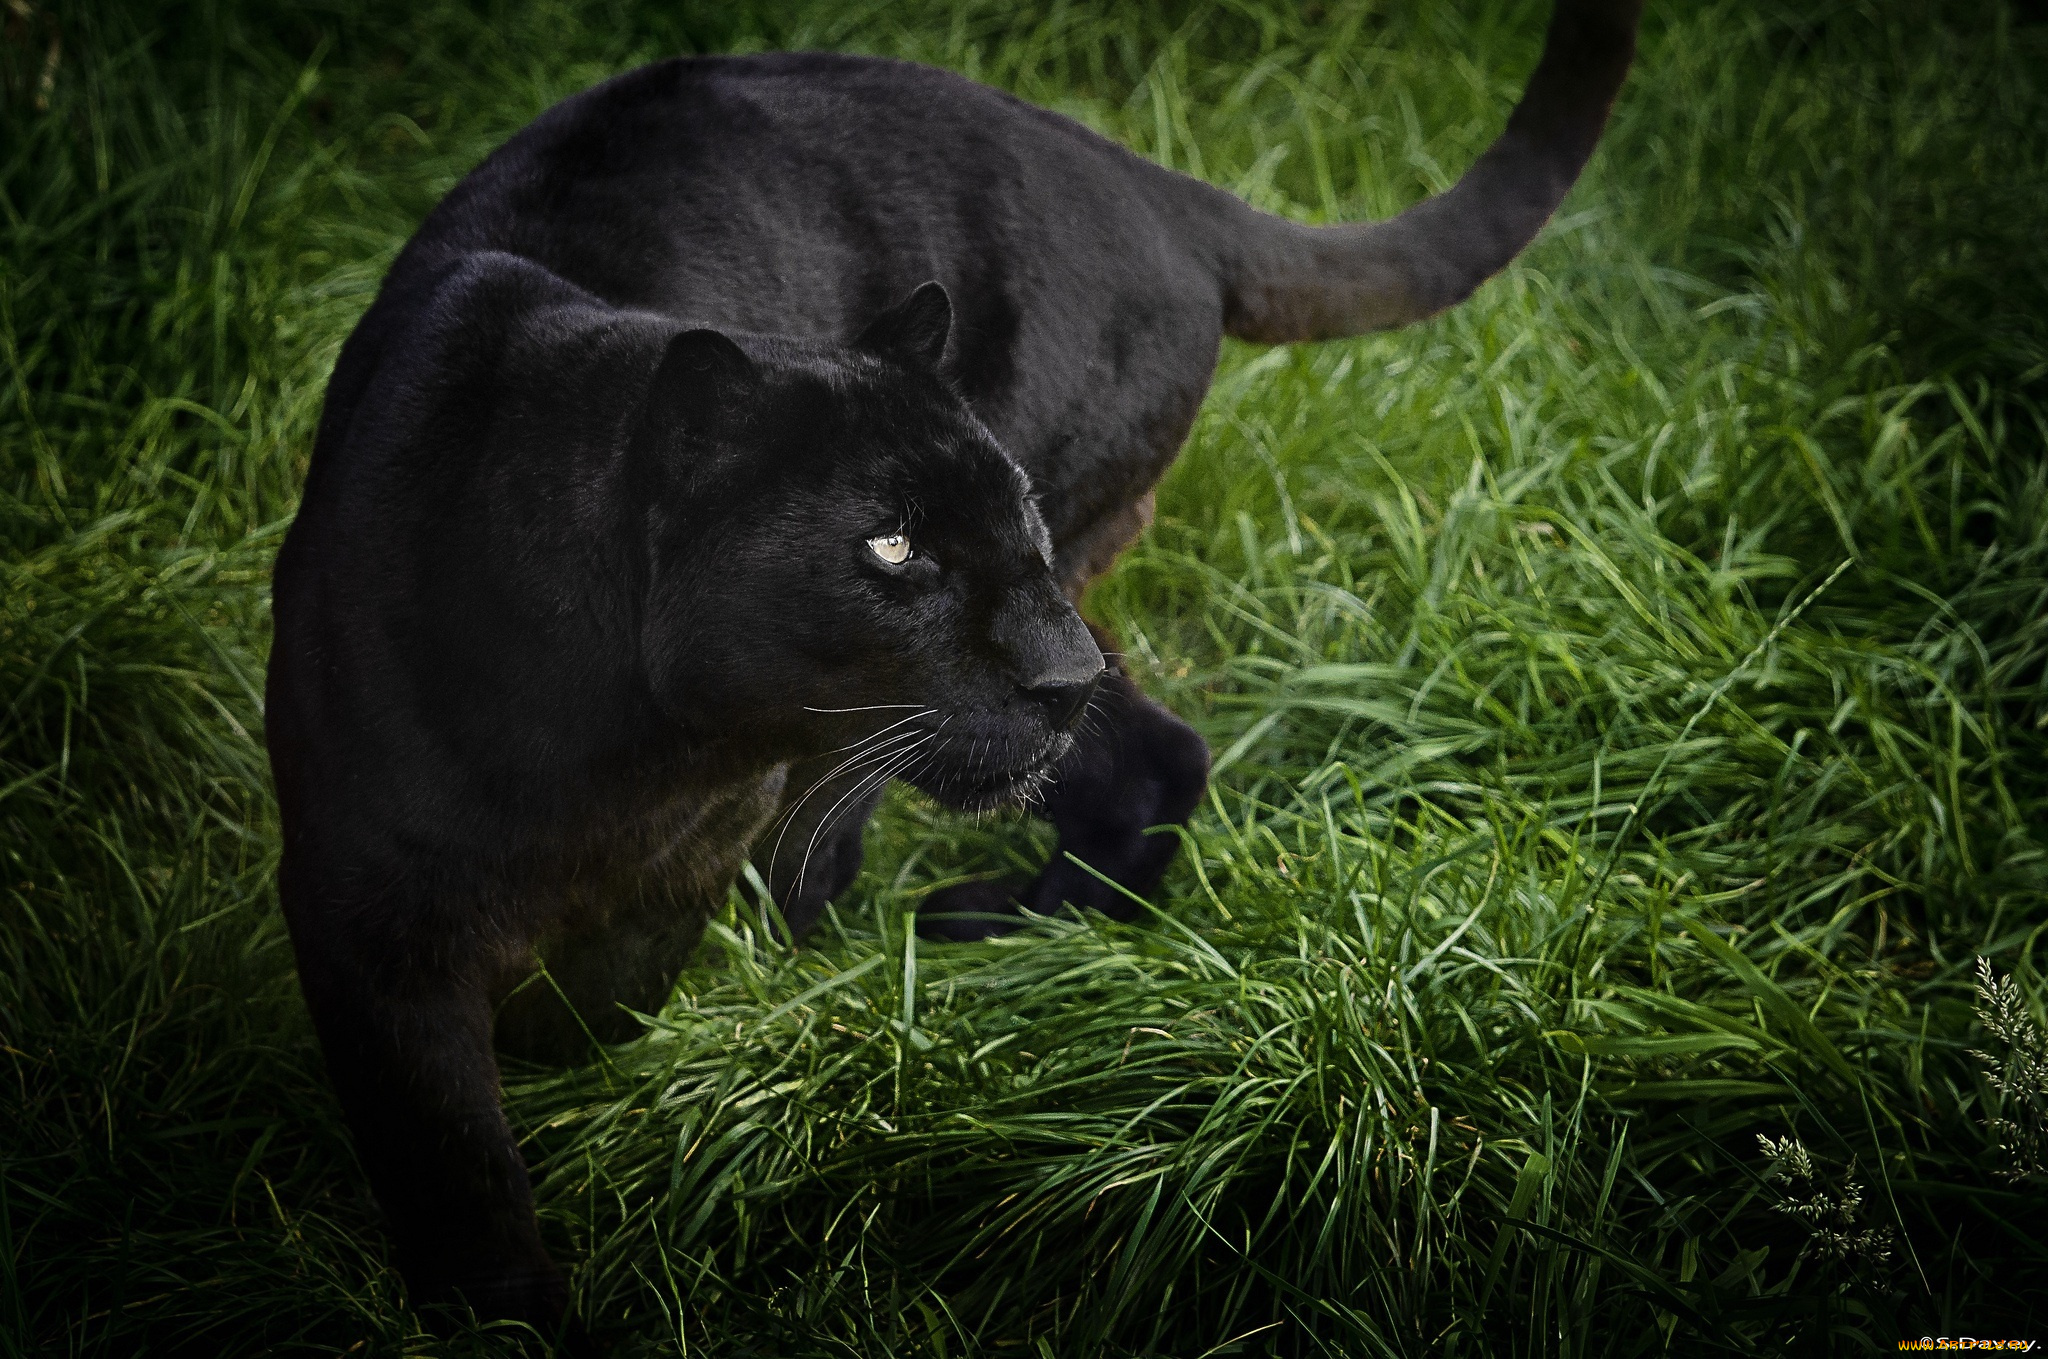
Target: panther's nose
{"x":1063,"y":697}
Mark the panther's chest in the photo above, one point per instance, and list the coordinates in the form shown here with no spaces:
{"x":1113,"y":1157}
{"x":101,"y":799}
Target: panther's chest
{"x":623,"y":916}
{"x":675,"y":853}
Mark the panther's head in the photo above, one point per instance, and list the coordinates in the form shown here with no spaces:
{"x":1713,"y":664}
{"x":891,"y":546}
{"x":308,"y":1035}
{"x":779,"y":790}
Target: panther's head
{"x":842,"y":558}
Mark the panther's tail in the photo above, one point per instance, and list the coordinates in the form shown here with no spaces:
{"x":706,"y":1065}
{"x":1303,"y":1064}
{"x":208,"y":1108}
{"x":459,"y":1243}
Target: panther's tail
{"x":1285,"y":281}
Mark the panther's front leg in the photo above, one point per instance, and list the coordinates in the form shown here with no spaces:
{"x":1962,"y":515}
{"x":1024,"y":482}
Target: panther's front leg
{"x":401,"y":1000}
{"x":1134,"y":767}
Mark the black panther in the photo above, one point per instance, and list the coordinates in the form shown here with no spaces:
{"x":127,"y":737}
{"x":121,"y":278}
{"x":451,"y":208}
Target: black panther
{"x":737,"y":438}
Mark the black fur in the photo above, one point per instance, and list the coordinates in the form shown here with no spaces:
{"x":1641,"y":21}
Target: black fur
{"x":590,"y":595}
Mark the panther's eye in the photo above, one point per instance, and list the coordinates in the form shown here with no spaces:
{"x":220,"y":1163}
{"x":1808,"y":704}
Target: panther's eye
{"x":892,"y":548}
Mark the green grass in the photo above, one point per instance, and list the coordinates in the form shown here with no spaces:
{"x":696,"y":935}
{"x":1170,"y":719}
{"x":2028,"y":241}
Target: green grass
{"x":1628,"y":692}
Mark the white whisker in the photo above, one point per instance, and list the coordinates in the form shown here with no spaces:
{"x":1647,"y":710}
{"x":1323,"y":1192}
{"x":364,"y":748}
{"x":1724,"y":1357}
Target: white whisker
{"x":921,"y":712}
{"x":878,"y":753}
{"x":900,"y":759}
{"x":871,"y":708}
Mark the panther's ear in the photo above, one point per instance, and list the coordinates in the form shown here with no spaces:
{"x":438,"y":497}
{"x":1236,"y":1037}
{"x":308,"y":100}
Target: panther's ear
{"x":699,"y":375}
{"x":914,"y":329}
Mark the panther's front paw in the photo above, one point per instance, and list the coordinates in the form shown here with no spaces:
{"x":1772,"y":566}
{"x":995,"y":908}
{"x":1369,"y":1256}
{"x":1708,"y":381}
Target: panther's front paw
{"x":969,"y":911}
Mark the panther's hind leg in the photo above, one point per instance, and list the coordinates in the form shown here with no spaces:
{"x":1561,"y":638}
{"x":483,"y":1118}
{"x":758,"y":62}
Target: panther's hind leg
{"x":1134,"y":767}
